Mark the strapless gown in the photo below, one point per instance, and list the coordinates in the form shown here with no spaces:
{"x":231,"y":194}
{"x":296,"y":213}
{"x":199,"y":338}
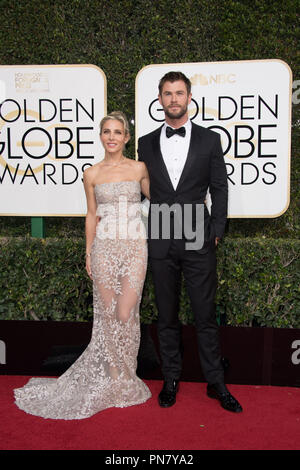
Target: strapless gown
{"x":104,"y":375}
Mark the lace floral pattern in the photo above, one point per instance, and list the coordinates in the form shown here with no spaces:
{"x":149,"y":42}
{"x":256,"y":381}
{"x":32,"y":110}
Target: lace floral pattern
{"x":104,"y":375}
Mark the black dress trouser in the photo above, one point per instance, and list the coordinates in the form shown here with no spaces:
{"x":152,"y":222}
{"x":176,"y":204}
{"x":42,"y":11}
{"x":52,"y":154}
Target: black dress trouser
{"x":199,"y":272}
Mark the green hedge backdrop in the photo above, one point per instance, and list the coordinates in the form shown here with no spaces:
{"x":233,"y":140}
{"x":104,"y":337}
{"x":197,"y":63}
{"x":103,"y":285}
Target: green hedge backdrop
{"x":258,"y":262}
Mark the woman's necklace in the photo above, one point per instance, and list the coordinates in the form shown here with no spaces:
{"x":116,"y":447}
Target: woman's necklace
{"x":116,"y":164}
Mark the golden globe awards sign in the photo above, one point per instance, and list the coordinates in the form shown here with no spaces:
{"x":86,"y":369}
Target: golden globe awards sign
{"x":249,"y":104}
{"x":49,"y":134}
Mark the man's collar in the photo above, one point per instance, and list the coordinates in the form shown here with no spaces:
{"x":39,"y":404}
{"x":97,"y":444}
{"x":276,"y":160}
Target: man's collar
{"x":187,"y":125}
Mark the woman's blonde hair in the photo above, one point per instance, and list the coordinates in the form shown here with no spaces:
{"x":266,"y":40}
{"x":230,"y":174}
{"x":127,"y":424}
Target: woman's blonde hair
{"x":119,"y":116}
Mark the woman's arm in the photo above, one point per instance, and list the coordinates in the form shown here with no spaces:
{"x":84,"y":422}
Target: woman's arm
{"x":90,"y":219}
{"x":145,"y":181}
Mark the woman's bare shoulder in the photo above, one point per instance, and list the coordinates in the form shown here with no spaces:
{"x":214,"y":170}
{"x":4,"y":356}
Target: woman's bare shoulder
{"x":91,"y":172}
{"x":137,"y":165}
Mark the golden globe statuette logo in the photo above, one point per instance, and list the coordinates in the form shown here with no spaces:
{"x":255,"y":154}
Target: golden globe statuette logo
{"x":31,"y":82}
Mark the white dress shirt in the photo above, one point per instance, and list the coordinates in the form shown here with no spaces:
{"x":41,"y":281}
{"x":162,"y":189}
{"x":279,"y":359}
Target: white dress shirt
{"x":174,"y":151}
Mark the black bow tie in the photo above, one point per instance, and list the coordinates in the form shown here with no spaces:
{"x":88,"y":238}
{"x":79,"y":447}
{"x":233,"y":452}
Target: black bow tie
{"x":170,"y":131}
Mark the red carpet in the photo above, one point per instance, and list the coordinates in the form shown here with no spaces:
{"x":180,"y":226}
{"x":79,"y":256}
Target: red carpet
{"x":270,"y":421}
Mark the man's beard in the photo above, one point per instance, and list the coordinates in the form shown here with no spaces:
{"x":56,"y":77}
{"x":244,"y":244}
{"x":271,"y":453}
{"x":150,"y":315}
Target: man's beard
{"x":176,"y":114}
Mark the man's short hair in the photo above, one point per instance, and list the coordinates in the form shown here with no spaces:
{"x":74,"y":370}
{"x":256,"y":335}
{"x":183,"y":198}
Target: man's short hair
{"x":174,"y":77}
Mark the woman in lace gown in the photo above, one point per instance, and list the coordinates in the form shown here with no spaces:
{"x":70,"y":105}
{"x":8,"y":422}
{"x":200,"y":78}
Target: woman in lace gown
{"x":104,"y":375}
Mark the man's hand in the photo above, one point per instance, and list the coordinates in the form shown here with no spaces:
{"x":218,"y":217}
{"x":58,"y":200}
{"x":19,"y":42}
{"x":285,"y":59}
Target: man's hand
{"x":217,"y":240}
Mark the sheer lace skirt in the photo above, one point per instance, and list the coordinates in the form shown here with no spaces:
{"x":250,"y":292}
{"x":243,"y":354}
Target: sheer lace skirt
{"x":105,"y":374}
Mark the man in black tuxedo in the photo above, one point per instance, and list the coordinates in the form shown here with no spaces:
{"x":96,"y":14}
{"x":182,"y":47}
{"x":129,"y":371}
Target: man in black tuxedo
{"x":184,"y":160}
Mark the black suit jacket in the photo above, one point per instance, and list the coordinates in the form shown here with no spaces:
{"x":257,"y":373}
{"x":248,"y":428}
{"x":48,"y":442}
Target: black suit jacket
{"x":204,"y":168}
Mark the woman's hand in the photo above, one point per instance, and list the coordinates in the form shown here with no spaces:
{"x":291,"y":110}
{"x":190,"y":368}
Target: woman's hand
{"x":88,"y":266}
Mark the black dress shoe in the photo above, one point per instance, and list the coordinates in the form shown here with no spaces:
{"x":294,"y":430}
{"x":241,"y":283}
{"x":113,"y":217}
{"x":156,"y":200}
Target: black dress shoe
{"x":225,"y":398}
{"x":167,"y":396}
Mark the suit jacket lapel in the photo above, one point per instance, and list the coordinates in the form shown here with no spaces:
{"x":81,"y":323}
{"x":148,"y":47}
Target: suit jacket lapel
{"x":159,"y":158}
{"x":192,"y":152}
